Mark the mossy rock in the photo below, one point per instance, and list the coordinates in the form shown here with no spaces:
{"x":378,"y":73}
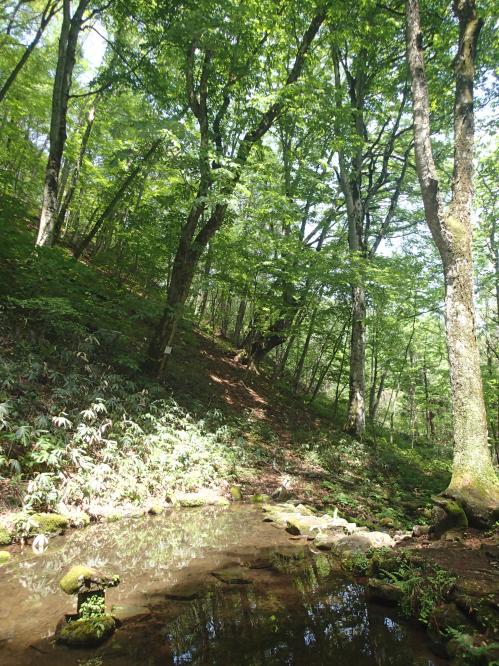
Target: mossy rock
{"x":447,"y":515}
{"x":236,"y":494}
{"x":81,"y":578}
{"x":5,"y":536}
{"x":49,"y":523}
{"x":387,"y":522}
{"x":260,"y":498}
{"x":445,"y":617}
{"x":4,"y":557}
{"x":114,"y":517}
{"x":86,"y":632}
{"x":156,"y":509}
{"x":383,"y":592}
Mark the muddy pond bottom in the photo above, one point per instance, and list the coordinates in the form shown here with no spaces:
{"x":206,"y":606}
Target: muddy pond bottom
{"x":203,"y":586}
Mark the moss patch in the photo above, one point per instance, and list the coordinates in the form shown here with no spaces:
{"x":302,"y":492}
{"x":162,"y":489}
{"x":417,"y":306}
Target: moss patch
{"x":4,"y":557}
{"x":86,"y":632}
{"x":5,"y":537}
{"x":50,"y":523}
{"x":71,"y":582}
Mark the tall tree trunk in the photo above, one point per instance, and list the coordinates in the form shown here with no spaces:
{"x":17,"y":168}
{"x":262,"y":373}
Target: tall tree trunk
{"x":192,"y":244}
{"x":50,"y":9}
{"x":68,"y":41}
{"x":241,"y":311}
{"x":68,"y":195}
{"x":474,"y":482}
{"x":351,"y":183}
{"x":356,"y":418}
{"x":115,"y":199}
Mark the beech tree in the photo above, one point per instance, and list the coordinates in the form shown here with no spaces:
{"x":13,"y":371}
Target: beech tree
{"x":68,"y":41}
{"x":474,"y":482}
{"x":203,"y":221}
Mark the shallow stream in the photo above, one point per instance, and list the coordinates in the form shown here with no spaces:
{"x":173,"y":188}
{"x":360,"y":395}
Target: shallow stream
{"x":272,"y":601}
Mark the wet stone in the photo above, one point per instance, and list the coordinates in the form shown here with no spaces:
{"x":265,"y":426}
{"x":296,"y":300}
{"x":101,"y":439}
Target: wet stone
{"x":126,"y":613}
{"x":233,"y":576}
{"x":184,"y":594}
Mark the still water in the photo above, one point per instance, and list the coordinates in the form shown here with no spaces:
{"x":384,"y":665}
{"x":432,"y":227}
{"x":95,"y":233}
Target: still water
{"x":214,"y":586}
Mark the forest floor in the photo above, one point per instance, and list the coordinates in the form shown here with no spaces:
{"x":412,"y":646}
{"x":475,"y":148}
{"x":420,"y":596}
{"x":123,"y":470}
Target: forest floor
{"x":80,"y":424}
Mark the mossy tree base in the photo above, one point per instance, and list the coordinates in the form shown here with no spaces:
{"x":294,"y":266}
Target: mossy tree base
{"x":479,"y":500}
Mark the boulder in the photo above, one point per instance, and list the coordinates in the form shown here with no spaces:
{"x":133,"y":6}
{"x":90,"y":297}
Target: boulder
{"x":447,"y":616}
{"x":327,"y":539}
{"x":85,"y":632}
{"x":387,"y":522}
{"x":383,"y":592}
{"x":447,"y":515}
{"x":420,"y":530}
{"x":361,"y":542}
{"x":306,"y":525}
{"x":155,"y":509}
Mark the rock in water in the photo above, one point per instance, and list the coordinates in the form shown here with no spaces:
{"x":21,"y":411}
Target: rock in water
{"x":384,"y":592}
{"x":236,"y":494}
{"x":361,"y":542}
{"x":4,"y":557}
{"x":85,"y":632}
{"x":81,"y":579}
{"x":233,"y":576}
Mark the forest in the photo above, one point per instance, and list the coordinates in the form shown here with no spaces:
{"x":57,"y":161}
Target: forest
{"x":249,"y":278}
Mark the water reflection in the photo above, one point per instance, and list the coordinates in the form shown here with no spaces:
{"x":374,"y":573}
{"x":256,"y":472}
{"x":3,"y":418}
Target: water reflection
{"x":296,"y":608}
{"x":294,"y":621}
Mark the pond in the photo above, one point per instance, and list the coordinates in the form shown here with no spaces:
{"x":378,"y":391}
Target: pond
{"x":214,"y":586}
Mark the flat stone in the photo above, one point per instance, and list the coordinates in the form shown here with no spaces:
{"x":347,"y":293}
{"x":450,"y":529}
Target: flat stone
{"x":125,"y":613}
{"x":326,"y":539}
{"x":184,"y":594}
{"x":308,"y":525}
{"x":233,"y":576}
{"x":361,"y":542}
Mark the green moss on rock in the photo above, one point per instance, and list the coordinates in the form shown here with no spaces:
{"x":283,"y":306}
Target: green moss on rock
{"x":5,"y":537}
{"x":236,"y":494}
{"x":4,"y":557}
{"x":86,"y":632}
{"x":49,"y":523}
{"x":260,"y":498}
{"x":71,"y":582}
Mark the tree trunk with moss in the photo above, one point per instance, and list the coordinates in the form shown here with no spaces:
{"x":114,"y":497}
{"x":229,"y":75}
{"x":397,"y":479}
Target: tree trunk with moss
{"x":474,"y":482}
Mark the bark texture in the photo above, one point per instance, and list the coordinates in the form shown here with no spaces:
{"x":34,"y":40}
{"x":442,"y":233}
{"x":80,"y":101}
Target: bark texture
{"x":197,"y":232}
{"x":474,"y":481}
{"x":66,"y":58}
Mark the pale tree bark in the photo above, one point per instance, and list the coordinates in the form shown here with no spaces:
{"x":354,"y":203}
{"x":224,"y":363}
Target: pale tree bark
{"x":50,"y":9}
{"x":359,"y":194}
{"x":68,"y":195}
{"x":66,"y":58}
{"x":99,"y":219}
{"x":474,"y":482}
{"x":196,"y":234}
